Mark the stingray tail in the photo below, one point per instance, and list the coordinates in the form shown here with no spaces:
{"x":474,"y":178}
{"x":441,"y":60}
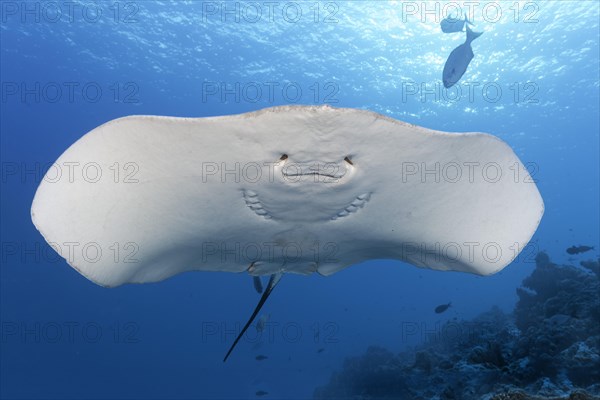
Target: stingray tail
{"x":273,"y":281}
{"x":472,"y":35}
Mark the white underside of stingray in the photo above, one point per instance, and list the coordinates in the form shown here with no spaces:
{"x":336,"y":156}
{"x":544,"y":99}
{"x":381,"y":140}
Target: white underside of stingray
{"x":297,"y":189}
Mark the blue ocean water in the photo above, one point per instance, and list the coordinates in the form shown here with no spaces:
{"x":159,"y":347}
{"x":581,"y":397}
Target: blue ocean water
{"x":67,"y":67}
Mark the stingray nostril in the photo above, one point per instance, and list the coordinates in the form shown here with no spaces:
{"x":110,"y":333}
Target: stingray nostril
{"x":283,"y":157}
{"x":348,"y":160}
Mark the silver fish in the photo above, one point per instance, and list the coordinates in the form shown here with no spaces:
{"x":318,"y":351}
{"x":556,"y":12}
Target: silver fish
{"x":454,"y":24}
{"x":459,"y":59}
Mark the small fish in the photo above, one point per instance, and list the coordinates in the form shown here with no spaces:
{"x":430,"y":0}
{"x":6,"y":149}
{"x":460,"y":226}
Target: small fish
{"x":321,"y":350}
{"x":579,"y":249}
{"x":261,"y":393}
{"x":260,"y":357}
{"x":458,"y":61}
{"x":257,"y":284}
{"x":441,"y":308}
{"x":262,"y":321}
{"x":454,"y":24}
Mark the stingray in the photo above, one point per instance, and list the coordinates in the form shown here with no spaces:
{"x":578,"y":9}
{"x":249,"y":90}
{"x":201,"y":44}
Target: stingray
{"x":293,"y":189}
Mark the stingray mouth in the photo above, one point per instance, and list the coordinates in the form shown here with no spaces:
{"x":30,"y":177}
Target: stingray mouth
{"x":315,"y":174}
{"x":317,"y":171}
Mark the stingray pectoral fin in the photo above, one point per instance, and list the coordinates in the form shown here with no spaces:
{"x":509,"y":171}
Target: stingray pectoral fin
{"x":273,"y":281}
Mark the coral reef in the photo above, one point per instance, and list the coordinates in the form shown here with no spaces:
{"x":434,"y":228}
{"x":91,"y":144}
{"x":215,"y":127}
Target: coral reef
{"x":548,"y":348}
